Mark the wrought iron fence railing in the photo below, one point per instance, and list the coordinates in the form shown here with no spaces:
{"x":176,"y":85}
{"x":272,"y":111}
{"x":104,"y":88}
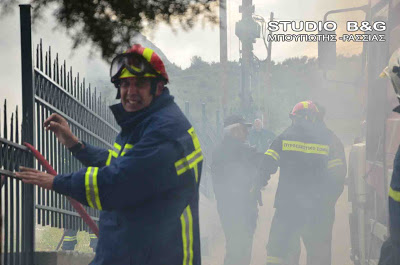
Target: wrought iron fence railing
{"x":57,"y":91}
{"x":12,"y":155}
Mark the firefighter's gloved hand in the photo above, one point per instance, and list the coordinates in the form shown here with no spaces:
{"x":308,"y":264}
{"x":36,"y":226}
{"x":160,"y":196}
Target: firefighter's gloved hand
{"x":57,"y":124}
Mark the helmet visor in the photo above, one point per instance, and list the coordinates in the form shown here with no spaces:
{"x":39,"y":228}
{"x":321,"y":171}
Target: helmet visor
{"x":134,"y":64}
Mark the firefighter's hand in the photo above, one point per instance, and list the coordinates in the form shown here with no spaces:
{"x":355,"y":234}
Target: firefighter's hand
{"x":60,"y":127}
{"x":36,"y":177}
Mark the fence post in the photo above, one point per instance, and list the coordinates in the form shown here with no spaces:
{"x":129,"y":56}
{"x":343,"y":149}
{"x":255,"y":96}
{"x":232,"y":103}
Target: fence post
{"x":28,"y":110}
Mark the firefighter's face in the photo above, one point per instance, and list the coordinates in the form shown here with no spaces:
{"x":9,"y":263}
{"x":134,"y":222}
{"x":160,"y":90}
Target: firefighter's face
{"x":135,"y":93}
{"x":257,"y":124}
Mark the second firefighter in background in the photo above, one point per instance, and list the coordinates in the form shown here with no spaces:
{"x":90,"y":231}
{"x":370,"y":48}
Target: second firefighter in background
{"x":312,"y":170}
{"x":237,"y":182}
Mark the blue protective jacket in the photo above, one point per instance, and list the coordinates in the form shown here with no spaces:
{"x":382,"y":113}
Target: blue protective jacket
{"x":147,"y":188}
{"x":312,"y":166}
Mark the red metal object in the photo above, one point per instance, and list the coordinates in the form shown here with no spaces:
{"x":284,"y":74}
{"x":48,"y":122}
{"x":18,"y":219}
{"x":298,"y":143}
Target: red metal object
{"x":77,"y":206}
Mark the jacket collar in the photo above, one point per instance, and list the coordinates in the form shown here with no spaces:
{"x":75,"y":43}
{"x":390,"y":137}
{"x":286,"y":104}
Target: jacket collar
{"x":131,"y":119}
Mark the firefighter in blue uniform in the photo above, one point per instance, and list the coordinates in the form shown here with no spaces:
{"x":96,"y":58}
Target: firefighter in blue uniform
{"x":390,"y":251}
{"x":311,"y":173}
{"x":147,"y":185}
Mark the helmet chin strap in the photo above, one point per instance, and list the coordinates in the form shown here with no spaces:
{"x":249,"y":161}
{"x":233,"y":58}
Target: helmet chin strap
{"x":153,"y":87}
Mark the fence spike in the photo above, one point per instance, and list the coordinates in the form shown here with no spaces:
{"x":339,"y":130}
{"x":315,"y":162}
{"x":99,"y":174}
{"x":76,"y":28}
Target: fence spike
{"x":56,"y":70}
{"x":5,"y":120}
{"x":60,"y":74}
{"x":16,"y":125}
{"x":12,"y":128}
{"x":50,"y":61}
{"x":65,"y":75}
{"x":41,"y":56}
{"x":45,"y":64}
{"x":37,"y":56}
{"x":94,"y":100}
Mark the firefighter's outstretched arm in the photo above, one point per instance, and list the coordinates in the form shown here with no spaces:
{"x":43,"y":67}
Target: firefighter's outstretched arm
{"x":130,"y":179}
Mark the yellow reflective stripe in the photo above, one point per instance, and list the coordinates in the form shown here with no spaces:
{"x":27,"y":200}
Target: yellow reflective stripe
{"x":305,"y":104}
{"x":92,"y":236}
{"x":308,"y":148}
{"x":274,"y":260}
{"x":187,"y":236}
{"x":334,"y":163}
{"x":147,"y":53}
{"x":394,"y":194}
{"x":195,"y":140}
{"x":87,"y":186}
{"x":125,"y":74}
{"x":113,"y":153}
{"x":69,"y":238}
{"x":92,"y":190}
{"x":110,"y":155}
{"x":188,"y":162}
{"x":272,"y":153}
{"x":191,"y":160}
{"x":118,"y":147}
{"x":127,"y":147}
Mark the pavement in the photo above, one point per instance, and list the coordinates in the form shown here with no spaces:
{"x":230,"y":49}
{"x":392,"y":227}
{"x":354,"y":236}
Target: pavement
{"x":214,"y":247}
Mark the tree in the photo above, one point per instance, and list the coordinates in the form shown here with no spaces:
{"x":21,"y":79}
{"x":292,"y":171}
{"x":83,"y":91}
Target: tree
{"x":111,"y":25}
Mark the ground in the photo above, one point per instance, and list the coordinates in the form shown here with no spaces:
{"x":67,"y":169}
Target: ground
{"x":216,"y":246}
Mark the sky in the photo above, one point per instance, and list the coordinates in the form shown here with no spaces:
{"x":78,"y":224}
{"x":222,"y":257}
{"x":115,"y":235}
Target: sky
{"x":179,"y":47}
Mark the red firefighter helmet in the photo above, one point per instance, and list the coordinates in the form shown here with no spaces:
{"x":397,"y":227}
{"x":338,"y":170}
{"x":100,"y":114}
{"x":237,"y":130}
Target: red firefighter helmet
{"x":137,"y":61}
{"x":304,"y":109}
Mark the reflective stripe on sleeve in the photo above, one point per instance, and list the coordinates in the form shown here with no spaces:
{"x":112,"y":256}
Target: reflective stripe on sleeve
{"x":188,"y":162}
{"x":274,"y":260}
{"x":195,"y":140}
{"x":187,"y":236}
{"x":191,"y":160}
{"x":113,"y":153}
{"x":394,"y":194}
{"x":272,"y":153}
{"x":309,"y":148}
{"x":92,"y":236}
{"x":127,"y":147}
{"x":335,"y":163}
{"x":92,"y":190}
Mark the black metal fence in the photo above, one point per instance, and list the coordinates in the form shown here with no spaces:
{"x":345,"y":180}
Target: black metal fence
{"x":50,"y":87}
{"x":12,"y":155}
{"x":57,"y":91}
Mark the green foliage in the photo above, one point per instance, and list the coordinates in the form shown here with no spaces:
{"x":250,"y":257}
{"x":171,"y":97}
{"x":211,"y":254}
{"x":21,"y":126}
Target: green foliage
{"x":112,"y":25}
